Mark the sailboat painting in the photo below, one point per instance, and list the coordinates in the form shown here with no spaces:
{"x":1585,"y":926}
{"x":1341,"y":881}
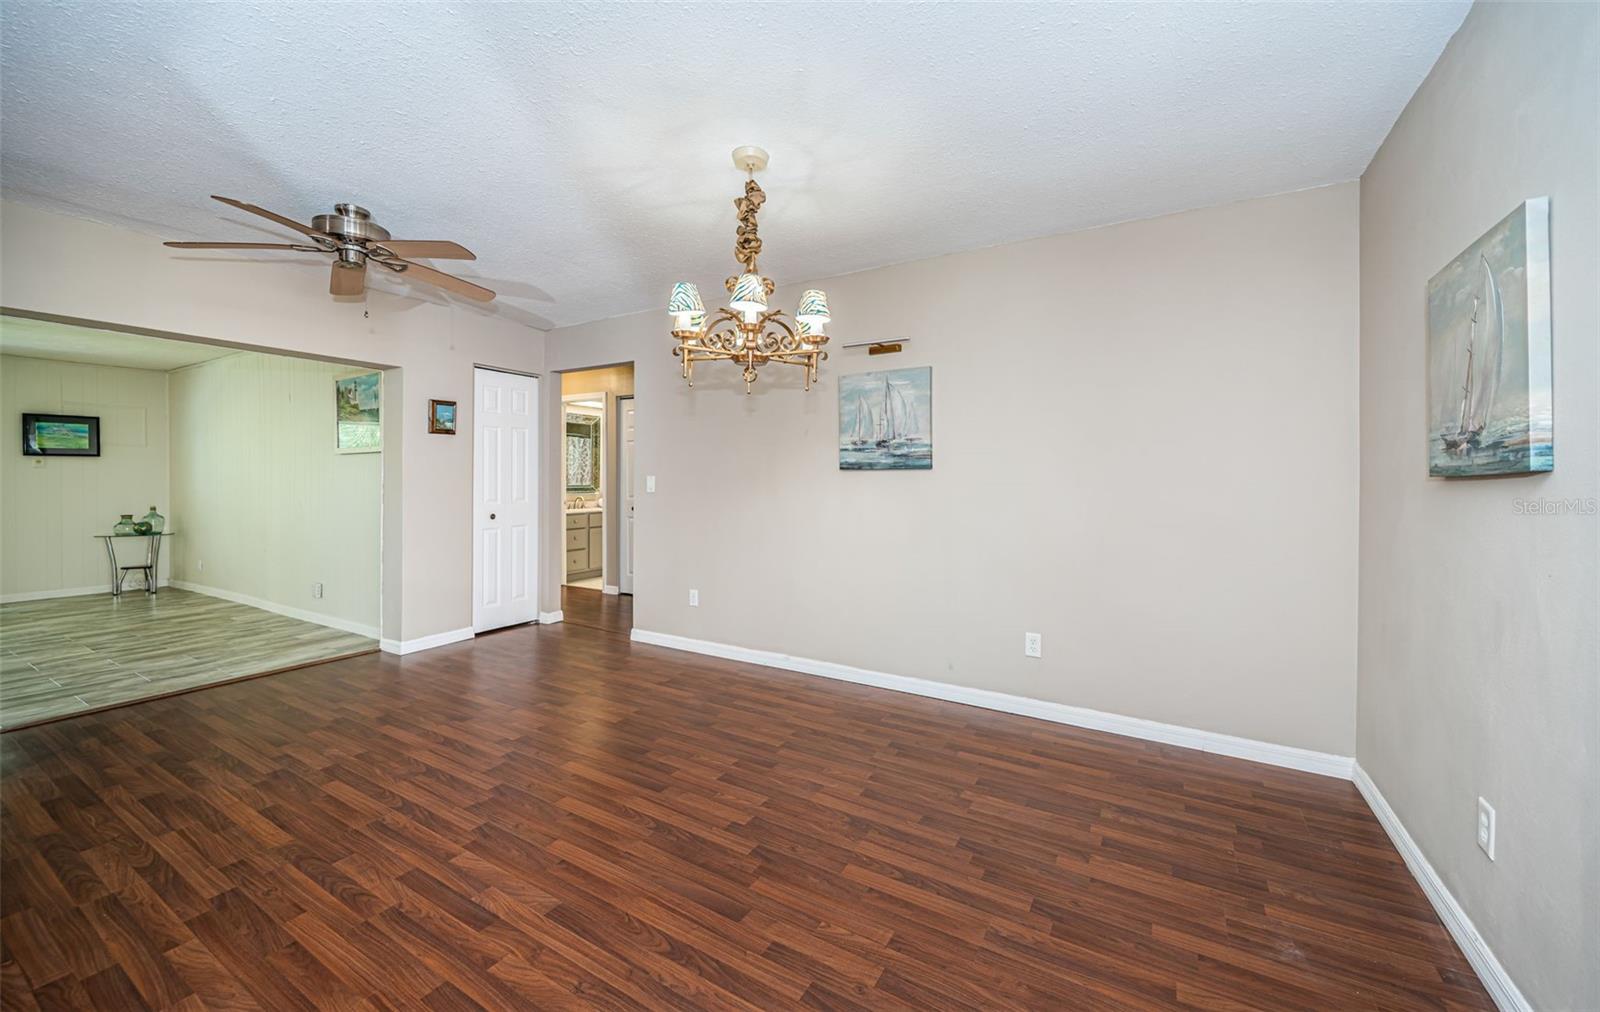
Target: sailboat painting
{"x":886,"y":420}
{"x":1489,"y":398}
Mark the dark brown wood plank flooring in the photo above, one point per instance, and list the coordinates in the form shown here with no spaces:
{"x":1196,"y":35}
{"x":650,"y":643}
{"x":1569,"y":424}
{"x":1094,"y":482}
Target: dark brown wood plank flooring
{"x":556,"y":817}
{"x":597,"y":610}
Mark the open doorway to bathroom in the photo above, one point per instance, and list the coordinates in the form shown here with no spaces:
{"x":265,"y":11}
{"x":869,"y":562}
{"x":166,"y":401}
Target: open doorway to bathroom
{"x":597,"y":497}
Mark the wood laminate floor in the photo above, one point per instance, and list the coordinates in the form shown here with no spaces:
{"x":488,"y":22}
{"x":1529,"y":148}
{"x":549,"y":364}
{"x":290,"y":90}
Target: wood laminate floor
{"x":606,"y":612}
{"x":555,"y":817}
{"x":69,"y":654}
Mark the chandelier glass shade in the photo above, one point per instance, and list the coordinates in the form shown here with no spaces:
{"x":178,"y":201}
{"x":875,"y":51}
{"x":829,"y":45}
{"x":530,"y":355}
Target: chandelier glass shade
{"x":747,"y":332}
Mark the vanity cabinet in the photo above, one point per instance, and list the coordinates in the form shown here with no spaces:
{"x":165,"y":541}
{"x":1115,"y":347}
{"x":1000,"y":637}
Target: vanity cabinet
{"x":585,"y":544}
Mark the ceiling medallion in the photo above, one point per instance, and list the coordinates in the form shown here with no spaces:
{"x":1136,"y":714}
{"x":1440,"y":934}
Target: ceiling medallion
{"x":746,"y":332}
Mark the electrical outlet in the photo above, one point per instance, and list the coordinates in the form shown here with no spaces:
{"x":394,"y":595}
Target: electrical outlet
{"x":649,"y":483}
{"x":199,"y":565}
{"x":694,"y":599}
{"x":1486,"y":828}
{"x":316,"y":590}
{"x":1033,"y":644}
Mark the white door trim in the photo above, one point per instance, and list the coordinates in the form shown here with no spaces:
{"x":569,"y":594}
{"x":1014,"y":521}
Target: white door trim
{"x":626,"y":464}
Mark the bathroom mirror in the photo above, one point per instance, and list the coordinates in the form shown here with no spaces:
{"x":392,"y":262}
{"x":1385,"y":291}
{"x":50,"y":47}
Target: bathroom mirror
{"x":583,"y":453}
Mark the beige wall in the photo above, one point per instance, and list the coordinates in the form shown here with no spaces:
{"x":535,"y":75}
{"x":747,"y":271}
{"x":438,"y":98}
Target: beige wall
{"x":1145,"y":448}
{"x":261,"y":496}
{"x":1479,"y":661}
{"x":70,"y":267}
{"x":613,"y":381}
{"x":50,"y":507}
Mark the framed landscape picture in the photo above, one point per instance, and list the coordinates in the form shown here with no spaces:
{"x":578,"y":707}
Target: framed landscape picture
{"x":1489,"y":396}
{"x":442,"y":417}
{"x":886,"y":420}
{"x":358,"y":413}
{"x":60,"y":435}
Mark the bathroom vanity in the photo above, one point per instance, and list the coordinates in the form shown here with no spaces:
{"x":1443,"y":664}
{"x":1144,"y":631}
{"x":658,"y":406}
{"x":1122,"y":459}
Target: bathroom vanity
{"x":585,"y":542}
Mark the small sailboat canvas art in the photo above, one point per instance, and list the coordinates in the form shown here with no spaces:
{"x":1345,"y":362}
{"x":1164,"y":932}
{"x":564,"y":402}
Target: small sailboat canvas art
{"x":886,"y":420}
{"x":1489,"y":398}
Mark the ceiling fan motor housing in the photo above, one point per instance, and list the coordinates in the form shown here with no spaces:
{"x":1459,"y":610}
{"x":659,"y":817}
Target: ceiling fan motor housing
{"x":350,"y":222}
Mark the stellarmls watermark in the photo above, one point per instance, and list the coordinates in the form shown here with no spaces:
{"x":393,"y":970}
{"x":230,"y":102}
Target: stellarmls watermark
{"x":1578,"y":506}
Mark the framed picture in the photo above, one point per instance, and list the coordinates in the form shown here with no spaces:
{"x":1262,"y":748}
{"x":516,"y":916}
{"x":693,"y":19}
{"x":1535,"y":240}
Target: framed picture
{"x":886,"y":420}
{"x":60,"y":435}
{"x":1489,"y":397}
{"x":442,"y":417}
{"x":358,"y":413}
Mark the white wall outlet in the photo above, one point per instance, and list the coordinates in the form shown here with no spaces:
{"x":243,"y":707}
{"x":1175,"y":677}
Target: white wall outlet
{"x":1486,"y":828}
{"x":316,"y":590}
{"x":649,"y":483}
{"x":694,"y":599}
{"x":199,"y":565}
{"x":1033,"y":644}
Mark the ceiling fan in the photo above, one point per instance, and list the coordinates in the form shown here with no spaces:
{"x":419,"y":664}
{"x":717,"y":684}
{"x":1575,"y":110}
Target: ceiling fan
{"x":353,"y":239}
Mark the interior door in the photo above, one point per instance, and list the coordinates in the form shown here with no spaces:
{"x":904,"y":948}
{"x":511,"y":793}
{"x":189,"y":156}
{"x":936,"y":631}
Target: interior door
{"x":625,"y":481}
{"x":505,"y":522}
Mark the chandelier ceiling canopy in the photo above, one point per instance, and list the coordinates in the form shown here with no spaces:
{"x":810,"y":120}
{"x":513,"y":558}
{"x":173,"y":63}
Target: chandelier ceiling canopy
{"x":746,"y":332}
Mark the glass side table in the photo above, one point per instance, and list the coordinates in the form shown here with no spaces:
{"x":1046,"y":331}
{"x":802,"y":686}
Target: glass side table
{"x":150,"y":566}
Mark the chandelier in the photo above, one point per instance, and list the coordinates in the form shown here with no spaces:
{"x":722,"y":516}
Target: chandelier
{"x":746,"y":332}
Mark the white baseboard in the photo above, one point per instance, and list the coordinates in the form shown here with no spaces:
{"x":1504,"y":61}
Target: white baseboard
{"x":551,"y":617}
{"x":1496,"y":981}
{"x":425,"y":642}
{"x":343,"y":625}
{"x":1287,"y":756}
{"x":45,"y":595}
{"x":609,"y":589}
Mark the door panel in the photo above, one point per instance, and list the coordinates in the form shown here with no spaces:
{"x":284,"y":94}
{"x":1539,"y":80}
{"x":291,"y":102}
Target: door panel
{"x":505,"y":513}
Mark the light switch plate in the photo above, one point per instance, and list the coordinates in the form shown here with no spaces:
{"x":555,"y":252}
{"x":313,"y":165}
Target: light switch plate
{"x":649,"y":483}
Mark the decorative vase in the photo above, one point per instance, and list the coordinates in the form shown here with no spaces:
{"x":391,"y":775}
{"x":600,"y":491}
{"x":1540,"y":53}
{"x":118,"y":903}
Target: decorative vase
{"x":156,"y":521}
{"x":141,"y":527}
{"x":125,"y":525}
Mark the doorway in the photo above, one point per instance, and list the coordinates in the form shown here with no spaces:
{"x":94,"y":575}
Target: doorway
{"x":584,"y":460}
{"x":505,"y":526}
{"x":597,"y":422}
{"x":181,"y":515}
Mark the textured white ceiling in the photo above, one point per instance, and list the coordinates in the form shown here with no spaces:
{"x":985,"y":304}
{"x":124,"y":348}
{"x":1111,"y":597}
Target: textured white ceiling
{"x":67,"y":343}
{"x":583,"y":149}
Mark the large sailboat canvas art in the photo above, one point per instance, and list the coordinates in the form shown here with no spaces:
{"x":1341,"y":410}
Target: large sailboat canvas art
{"x":886,"y":420}
{"x":1489,"y":398}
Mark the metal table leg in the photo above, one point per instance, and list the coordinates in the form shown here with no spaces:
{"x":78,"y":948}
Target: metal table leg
{"x":153,"y":574}
{"x":116,"y":574}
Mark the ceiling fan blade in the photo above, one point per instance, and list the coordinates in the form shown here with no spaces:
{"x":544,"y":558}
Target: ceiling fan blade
{"x":428,"y":249}
{"x":244,"y":245}
{"x":270,"y":216}
{"x":443,"y":280}
{"x":347,"y":280}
